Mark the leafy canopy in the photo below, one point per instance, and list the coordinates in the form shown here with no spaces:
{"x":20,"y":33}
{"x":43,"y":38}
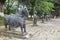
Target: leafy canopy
{"x":10,"y":6}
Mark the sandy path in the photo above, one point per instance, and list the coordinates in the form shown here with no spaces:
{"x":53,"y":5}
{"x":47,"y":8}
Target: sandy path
{"x":45,"y":31}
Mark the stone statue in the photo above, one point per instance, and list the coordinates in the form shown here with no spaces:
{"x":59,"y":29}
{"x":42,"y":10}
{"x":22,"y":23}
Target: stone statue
{"x":17,"y":20}
{"x":47,"y":17}
{"x":35,"y":19}
{"x":42,"y":18}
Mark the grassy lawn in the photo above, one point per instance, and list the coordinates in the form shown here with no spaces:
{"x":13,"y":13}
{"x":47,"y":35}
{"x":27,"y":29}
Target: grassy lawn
{"x":1,"y":21}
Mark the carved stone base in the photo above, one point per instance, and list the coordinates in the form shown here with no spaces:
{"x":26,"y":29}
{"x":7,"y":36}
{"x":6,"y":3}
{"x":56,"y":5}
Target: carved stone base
{"x":15,"y":34}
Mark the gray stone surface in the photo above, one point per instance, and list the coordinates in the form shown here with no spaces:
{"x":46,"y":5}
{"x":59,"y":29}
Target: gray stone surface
{"x":35,"y":18}
{"x":17,"y":20}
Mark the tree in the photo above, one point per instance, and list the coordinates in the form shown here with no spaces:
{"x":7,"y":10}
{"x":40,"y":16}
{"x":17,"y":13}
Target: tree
{"x":41,"y":5}
{"x":57,"y":6}
{"x":10,"y":6}
{"x":1,"y":4}
{"x":46,"y":7}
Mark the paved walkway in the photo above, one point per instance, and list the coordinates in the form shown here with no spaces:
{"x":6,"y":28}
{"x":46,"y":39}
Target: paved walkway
{"x":44,"y":31}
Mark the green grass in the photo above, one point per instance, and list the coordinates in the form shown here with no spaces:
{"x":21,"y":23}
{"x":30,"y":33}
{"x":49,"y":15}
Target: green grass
{"x":1,"y":21}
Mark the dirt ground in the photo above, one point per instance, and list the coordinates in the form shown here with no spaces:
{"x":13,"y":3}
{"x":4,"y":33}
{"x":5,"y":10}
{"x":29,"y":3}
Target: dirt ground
{"x":50,"y":30}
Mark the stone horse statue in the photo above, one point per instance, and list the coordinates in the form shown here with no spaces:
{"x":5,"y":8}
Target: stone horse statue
{"x":17,"y":19}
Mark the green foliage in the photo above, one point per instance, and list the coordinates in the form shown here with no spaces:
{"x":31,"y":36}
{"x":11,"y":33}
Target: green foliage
{"x":58,"y":1}
{"x":57,"y":12}
{"x":41,"y":5}
{"x":45,"y":7}
{"x":11,"y":6}
{"x":57,"y":6}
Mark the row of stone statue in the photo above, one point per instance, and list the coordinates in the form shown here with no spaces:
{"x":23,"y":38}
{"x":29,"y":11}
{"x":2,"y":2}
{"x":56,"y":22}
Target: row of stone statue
{"x":19,"y":19}
{"x":43,"y":18}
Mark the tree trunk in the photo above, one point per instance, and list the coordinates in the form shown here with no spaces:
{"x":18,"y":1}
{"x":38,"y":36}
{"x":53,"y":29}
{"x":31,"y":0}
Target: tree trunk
{"x":1,"y":10}
{"x":1,"y":7}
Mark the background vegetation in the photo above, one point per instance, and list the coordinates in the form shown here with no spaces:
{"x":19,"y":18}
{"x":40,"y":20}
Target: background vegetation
{"x":41,"y":6}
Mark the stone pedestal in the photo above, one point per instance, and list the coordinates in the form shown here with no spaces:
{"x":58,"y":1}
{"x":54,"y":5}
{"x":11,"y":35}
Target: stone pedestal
{"x":15,"y":34}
